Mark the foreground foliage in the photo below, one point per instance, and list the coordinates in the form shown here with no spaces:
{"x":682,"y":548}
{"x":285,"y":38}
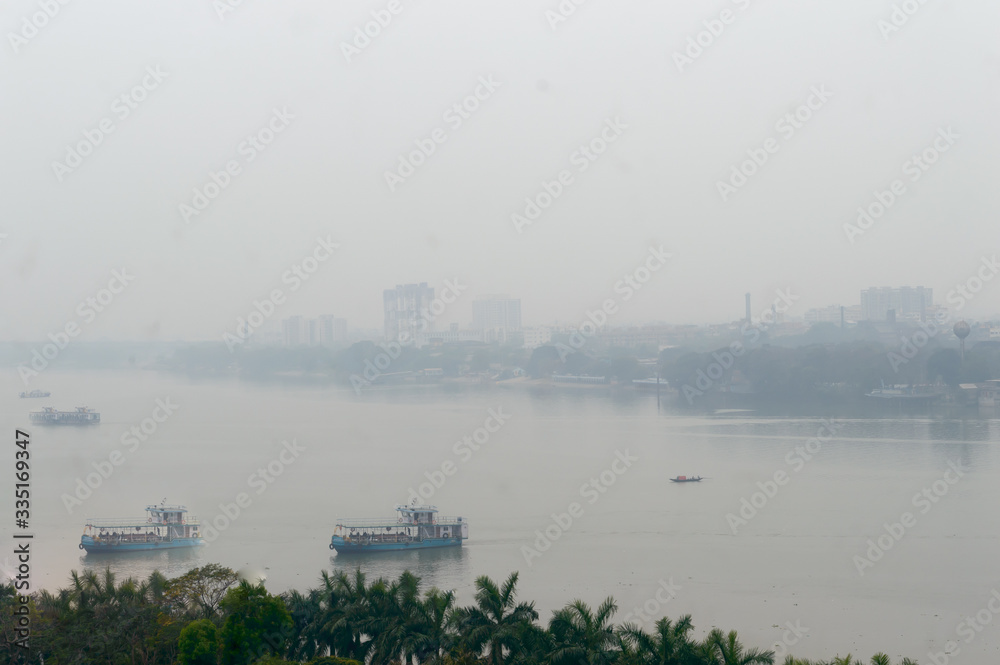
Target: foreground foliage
{"x":210,"y":617}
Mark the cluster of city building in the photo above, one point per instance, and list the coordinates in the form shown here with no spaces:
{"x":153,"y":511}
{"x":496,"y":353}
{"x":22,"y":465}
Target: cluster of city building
{"x":325,"y":330}
{"x":886,"y":308}
{"x":413,"y":315}
{"x":878,"y":304}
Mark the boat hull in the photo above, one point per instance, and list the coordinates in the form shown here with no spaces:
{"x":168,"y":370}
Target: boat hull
{"x":92,"y":547}
{"x":344,"y":547}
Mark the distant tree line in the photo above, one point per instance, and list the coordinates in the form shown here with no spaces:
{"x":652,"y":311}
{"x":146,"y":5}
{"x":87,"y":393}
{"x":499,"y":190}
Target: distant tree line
{"x":822,"y":371}
{"x":209,"y":616}
{"x":454,"y":360}
{"x":771,"y":371}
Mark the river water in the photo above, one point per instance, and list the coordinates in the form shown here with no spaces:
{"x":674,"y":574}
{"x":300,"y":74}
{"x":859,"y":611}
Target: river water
{"x":799,"y":553}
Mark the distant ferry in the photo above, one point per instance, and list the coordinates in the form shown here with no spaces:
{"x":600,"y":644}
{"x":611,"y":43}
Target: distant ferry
{"x":686,"y":479}
{"x":905,"y":394}
{"x":415,"y":527}
{"x":165,"y":527}
{"x":34,"y":393}
{"x":49,"y":416}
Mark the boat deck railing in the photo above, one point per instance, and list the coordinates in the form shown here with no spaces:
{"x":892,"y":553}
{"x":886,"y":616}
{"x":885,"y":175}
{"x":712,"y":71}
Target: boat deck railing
{"x":164,"y":508}
{"x":189,"y":520}
{"x":449,"y":519}
{"x":383,"y":523}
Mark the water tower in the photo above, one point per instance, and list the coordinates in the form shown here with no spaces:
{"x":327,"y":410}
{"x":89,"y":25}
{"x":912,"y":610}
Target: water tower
{"x":962,"y":331}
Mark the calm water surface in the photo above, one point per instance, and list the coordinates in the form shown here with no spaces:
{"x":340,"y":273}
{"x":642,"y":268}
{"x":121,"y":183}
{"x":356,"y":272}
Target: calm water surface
{"x":792,"y":561}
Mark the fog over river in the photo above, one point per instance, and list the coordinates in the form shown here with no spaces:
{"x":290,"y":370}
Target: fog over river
{"x":778,"y":531}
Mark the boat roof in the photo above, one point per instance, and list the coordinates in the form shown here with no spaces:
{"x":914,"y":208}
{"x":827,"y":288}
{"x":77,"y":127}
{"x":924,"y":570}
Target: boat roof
{"x":164,"y":508}
{"x":380,"y":523}
{"x":416,"y":508}
{"x":130,"y":522}
{"x":402,"y":509}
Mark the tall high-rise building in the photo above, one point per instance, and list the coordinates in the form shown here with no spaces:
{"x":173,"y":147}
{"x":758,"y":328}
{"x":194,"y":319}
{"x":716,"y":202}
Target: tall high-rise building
{"x":496,"y":311}
{"x":292,"y":329}
{"x":332,"y":330}
{"x":407,"y":311}
{"x":908,"y":302}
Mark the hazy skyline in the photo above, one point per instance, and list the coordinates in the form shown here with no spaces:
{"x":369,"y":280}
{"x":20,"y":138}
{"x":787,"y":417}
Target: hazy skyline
{"x":199,"y":85}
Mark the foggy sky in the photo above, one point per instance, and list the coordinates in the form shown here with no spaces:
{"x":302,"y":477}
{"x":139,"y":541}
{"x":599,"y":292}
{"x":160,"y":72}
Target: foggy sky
{"x":323,"y":174}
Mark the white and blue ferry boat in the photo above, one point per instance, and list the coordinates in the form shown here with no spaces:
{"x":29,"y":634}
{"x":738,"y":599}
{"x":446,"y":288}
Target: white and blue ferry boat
{"x":415,"y":527}
{"x":165,"y":527}
{"x":49,"y":416}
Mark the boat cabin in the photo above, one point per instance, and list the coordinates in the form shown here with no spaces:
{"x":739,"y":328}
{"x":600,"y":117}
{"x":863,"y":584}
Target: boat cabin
{"x":414,"y":514}
{"x":414,"y":524}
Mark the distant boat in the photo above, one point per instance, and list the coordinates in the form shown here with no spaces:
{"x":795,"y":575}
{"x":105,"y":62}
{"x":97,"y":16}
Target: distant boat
{"x":166,"y":527}
{"x":49,"y":416}
{"x":415,"y":527}
{"x":686,"y":479}
{"x":905,"y":394}
{"x":34,"y":393}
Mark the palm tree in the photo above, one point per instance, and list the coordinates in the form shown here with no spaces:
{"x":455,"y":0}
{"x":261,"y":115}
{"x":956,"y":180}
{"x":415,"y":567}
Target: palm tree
{"x":99,"y":620}
{"x":436,"y":634}
{"x":878,"y":659}
{"x":727,"y":650}
{"x":158,"y":584}
{"x":581,"y":635}
{"x":669,"y":644}
{"x":497,"y":624}
{"x":792,"y":660}
{"x":303,"y":643}
{"x":394,"y":619}
{"x":340,"y":625}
